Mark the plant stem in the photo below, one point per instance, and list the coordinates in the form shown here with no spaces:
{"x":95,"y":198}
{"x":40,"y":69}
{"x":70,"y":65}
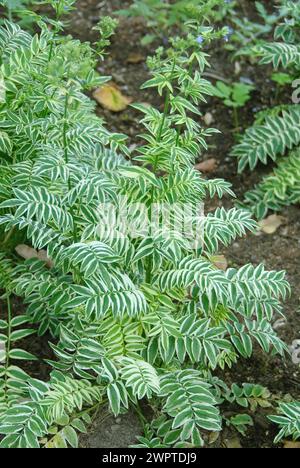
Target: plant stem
{"x":236,"y":118}
{"x":165,"y":113}
{"x":66,"y":157}
{"x":139,"y":412}
{"x":9,"y":318}
{"x":50,"y":51}
{"x":56,"y":29}
{"x":159,"y":135}
{"x":65,"y":126}
{"x":166,"y":110}
{"x":277,"y":92}
{"x":155,"y":164}
{"x":8,"y":343}
{"x":8,"y":235}
{"x":10,"y":16}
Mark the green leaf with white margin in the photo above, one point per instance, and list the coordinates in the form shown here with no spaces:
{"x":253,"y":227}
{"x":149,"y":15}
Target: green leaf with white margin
{"x":91,"y":256}
{"x":136,"y":172}
{"x":190,"y":402}
{"x":20,"y":354}
{"x":122,"y":297}
{"x":5,"y":143}
{"x":114,"y":398}
{"x":70,"y":435}
{"x":141,"y":377}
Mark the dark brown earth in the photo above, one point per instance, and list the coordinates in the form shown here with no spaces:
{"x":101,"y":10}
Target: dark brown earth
{"x":278,"y":251}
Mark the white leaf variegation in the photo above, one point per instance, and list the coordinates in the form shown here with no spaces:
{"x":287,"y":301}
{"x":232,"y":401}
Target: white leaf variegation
{"x":133,"y":313}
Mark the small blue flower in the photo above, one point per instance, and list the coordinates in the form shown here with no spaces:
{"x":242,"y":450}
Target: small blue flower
{"x":200,"y":39}
{"x":229,"y":34}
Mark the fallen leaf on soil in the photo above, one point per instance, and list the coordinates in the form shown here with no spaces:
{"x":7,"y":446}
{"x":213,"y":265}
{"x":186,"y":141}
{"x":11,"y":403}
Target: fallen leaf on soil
{"x":111,"y":98}
{"x":233,"y":443}
{"x":27,"y":253}
{"x":135,"y":58}
{"x":207,"y":166}
{"x":271,"y":224}
{"x":208,"y":118}
{"x":295,"y":351}
{"x":291,"y":445}
{"x":220,"y":262}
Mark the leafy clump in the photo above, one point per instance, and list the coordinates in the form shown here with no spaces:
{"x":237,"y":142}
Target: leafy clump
{"x":288,"y":419}
{"x":161,"y":16}
{"x":276,"y":135}
{"x":234,"y":96}
{"x":132,"y":299}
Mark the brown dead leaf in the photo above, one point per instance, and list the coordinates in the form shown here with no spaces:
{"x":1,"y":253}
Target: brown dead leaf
{"x":220,"y":262}
{"x":288,"y":444}
{"x":28,"y":253}
{"x":135,"y":57}
{"x":207,"y":166}
{"x":111,"y":98}
{"x":270,"y":224}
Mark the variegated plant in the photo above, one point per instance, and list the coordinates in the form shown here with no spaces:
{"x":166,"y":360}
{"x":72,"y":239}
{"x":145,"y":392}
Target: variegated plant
{"x":276,"y":133}
{"x":140,"y":313}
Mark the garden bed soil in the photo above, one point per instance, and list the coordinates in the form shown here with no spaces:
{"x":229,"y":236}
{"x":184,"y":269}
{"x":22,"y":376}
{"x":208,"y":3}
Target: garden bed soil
{"x":277,"y":251}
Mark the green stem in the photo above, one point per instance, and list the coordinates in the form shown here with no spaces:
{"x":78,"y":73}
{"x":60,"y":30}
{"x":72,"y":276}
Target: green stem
{"x":56,"y":30}
{"x":66,"y":157}
{"x":159,"y":136}
{"x":277,"y":93}
{"x":155,"y":164}
{"x":95,"y":408}
{"x":139,"y":412}
{"x":9,"y":14}
{"x":65,"y":127}
{"x":161,"y":129}
{"x":9,"y":318}
{"x":50,"y":51}
{"x":8,"y":343}
{"x":8,"y":235}
{"x":236,"y":118}
{"x":165,"y":113}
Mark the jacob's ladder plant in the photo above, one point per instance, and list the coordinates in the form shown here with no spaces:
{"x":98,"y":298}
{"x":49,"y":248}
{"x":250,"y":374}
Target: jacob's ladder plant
{"x":136,"y":310}
{"x":276,"y":133}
